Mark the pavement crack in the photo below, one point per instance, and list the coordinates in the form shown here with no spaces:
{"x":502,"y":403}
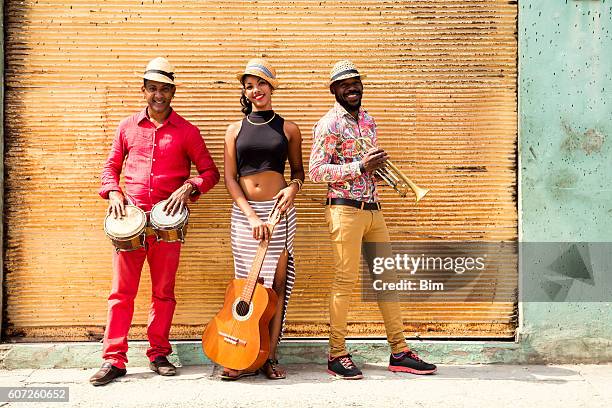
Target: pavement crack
{"x":25,"y":379}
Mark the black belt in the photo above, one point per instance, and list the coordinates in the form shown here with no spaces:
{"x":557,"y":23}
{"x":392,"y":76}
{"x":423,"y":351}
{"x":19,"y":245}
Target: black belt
{"x":362,"y":205}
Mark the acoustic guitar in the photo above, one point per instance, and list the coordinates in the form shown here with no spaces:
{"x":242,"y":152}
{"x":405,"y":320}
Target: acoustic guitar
{"x":238,"y":337}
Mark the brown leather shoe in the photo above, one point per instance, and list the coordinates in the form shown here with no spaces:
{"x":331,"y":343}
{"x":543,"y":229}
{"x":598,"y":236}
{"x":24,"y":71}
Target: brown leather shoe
{"x":162,"y":366}
{"x":106,"y":374}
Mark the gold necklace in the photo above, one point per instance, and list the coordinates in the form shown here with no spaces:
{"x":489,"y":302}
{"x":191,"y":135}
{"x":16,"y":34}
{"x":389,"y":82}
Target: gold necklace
{"x":263,"y":123}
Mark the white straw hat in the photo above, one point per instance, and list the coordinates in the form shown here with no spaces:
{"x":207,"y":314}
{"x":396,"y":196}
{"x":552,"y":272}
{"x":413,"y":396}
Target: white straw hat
{"x":342,"y":70}
{"x":160,"y":70}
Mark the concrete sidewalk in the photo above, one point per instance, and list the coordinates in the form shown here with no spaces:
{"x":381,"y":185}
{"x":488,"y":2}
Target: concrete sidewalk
{"x":496,"y":386}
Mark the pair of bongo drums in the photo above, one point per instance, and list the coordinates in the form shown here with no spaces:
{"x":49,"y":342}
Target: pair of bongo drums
{"x":130,"y":232}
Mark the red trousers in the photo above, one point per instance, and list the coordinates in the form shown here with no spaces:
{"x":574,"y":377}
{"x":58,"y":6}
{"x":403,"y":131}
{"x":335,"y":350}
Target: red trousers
{"x":163,"y":259}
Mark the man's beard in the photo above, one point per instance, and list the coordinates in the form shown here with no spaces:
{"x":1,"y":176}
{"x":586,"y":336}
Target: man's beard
{"x":346,"y":105}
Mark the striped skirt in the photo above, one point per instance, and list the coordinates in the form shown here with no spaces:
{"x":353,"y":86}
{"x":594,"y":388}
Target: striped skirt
{"x":244,"y":247}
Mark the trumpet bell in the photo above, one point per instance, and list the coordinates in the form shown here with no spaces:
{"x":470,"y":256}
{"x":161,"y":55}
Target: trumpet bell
{"x":420,"y":193}
{"x":394,"y":177}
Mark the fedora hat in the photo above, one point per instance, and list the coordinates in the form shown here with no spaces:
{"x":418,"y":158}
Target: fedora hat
{"x":342,"y":70}
{"x":160,"y":70}
{"x":260,"y":68}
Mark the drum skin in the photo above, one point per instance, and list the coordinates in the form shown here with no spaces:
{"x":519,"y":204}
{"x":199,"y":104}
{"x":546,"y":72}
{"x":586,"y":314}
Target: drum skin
{"x":127,"y":233}
{"x":169,"y":228}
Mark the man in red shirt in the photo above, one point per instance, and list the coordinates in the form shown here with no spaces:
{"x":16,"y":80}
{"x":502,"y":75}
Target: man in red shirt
{"x":158,"y":147}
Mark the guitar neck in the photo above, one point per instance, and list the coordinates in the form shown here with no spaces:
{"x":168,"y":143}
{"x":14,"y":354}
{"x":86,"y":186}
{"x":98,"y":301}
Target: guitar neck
{"x":251,"y":281}
{"x":260,"y":255}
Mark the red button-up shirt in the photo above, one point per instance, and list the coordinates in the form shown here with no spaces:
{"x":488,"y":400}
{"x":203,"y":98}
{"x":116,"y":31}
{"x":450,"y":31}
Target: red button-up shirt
{"x":157,"y":160}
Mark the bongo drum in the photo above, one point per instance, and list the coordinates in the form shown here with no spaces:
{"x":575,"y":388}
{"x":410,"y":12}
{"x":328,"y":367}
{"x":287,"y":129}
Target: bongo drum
{"x":127,"y":233}
{"x":169,"y":228}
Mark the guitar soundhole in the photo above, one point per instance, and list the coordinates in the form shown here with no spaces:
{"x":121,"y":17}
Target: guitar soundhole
{"x":242,"y":308}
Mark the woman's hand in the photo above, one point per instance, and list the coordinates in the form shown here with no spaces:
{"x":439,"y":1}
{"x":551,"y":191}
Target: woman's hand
{"x":260,"y":229}
{"x":286,"y":197}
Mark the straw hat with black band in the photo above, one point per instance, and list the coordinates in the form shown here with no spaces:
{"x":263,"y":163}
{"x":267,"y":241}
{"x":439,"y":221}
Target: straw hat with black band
{"x":343,"y":69}
{"x":160,"y":70}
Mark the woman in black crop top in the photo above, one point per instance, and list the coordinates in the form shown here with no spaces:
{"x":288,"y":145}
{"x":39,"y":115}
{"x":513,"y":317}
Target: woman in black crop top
{"x":256,"y":150}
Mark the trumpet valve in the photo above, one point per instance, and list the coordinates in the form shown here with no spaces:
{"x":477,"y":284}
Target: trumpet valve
{"x":402,"y":189}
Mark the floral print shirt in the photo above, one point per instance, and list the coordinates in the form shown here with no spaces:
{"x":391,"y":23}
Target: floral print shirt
{"x":336,"y":155}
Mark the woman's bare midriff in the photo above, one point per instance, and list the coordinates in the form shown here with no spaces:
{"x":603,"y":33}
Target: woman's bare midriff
{"x":262,"y":186}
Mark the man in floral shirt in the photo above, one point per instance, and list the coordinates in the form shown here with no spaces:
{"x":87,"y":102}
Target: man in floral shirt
{"x":353,"y":216}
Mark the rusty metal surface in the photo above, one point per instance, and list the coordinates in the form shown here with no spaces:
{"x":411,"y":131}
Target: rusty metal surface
{"x":441,"y":85}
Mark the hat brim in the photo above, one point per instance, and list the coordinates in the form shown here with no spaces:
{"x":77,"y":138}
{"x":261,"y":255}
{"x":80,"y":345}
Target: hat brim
{"x":151,"y":76}
{"x":258,"y":74}
{"x":346,"y":76}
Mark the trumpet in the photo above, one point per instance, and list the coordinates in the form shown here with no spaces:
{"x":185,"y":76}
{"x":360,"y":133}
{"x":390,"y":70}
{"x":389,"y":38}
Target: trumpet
{"x":393,"y":176}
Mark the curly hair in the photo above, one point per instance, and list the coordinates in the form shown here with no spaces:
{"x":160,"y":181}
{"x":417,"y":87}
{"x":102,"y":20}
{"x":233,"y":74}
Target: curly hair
{"x":247,"y":106}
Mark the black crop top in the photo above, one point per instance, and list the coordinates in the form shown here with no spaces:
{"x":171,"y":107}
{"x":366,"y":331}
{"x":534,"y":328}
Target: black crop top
{"x":261,"y":147}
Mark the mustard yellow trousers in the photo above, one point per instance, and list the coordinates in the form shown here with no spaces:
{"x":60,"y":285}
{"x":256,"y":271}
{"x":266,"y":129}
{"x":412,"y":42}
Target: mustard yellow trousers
{"x":349,"y":227}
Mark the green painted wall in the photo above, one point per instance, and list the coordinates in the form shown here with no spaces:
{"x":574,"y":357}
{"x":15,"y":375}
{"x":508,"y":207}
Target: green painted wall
{"x":565,"y":121}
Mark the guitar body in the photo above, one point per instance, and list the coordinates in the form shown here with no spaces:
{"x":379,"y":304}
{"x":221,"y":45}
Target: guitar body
{"x":238,"y":337}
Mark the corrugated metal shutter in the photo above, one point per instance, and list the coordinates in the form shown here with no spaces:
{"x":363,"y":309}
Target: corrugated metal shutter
{"x":441,"y":85}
